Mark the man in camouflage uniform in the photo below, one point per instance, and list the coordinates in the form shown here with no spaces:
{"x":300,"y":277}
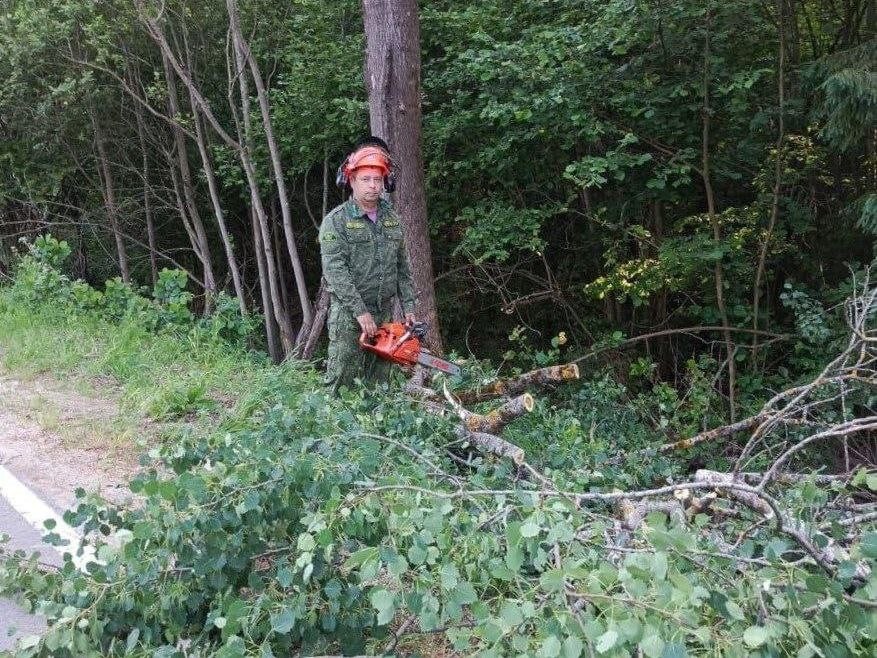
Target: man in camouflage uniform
{"x":365,"y":266}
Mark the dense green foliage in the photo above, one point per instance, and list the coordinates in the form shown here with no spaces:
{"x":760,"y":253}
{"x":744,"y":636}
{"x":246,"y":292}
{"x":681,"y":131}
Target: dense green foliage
{"x":298,"y":522}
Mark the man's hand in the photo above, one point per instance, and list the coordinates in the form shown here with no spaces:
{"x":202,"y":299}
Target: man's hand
{"x":409,"y":318}
{"x":367,"y":324}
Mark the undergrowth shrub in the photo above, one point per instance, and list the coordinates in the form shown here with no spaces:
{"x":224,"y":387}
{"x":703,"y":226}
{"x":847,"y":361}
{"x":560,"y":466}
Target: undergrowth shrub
{"x":40,"y":281}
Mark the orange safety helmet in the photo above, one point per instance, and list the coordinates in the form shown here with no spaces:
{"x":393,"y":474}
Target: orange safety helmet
{"x":370,"y":152}
{"x":368,"y":156}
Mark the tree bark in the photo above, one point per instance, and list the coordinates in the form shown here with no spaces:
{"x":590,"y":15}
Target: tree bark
{"x":392,"y":80}
{"x":244,"y":146}
{"x":110,"y":196}
{"x":516,"y":385}
{"x":321,"y":312}
{"x":147,"y":196}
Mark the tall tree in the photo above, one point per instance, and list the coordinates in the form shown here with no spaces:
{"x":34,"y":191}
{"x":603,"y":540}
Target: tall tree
{"x":392,"y":79}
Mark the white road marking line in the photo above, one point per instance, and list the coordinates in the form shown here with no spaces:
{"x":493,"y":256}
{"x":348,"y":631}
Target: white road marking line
{"x":35,"y":512}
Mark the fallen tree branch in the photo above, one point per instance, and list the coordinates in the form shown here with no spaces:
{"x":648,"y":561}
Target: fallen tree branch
{"x":517,"y":385}
{"x":493,"y":421}
{"x":682,"y":330}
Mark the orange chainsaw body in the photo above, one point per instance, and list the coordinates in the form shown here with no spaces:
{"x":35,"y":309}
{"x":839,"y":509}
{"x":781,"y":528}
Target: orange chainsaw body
{"x":394,"y":342}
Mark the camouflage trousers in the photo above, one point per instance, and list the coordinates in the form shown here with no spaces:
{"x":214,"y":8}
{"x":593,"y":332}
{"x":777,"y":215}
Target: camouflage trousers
{"x":347,"y":361}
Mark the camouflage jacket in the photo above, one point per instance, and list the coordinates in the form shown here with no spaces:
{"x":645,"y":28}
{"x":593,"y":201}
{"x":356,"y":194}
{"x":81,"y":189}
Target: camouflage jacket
{"x":365,"y":262}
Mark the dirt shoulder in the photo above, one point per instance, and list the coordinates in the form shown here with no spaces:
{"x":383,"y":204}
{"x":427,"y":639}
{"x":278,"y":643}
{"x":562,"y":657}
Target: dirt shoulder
{"x":58,"y":436}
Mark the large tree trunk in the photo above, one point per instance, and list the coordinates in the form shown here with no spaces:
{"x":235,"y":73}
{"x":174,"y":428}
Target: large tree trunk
{"x":392,"y":79}
{"x":110,"y":197}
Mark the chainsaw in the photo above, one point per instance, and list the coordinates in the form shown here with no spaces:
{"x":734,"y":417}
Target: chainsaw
{"x":401,"y":344}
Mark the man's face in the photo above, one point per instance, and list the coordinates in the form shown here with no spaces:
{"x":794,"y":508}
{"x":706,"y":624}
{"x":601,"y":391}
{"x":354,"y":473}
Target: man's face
{"x":367,"y":184}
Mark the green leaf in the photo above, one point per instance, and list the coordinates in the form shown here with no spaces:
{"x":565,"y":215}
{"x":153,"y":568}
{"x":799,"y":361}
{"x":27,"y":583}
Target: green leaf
{"x":131,"y":642}
{"x":450,"y":576}
{"x":361,"y":556}
{"x":510,"y":613}
{"x":734,"y":610}
{"x":529,"y":528}
{"x":869,"y":545}
{"x":306,"y":542}
{"x":572,"y":647}
{"x":606,"y":641}
{"x":550,"y":648}
{"x":464,"y":594}
{"x":283,"y":621}
{"x":755,"y":636}
{"x":416,"y":555}
{"x":675,"y":650}
{"x":285,"y":576}
{"x":659,"y":565}
{"x":552,"y":580}
{"x":383,"y":602}
{"x":652,"y":645}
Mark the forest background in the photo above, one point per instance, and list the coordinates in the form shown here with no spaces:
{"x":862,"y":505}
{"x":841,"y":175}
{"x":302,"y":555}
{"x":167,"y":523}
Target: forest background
{"x":678,"y":197}
{"x":589,"y":168}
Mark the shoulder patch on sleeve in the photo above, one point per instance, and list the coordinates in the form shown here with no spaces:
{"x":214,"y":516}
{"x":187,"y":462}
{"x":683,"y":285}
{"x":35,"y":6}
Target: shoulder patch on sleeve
{"x":328,"y":236}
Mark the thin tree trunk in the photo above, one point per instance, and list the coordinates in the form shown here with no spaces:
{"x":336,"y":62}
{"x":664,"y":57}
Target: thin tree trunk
{"x":209,"y":174}
{"x":147,"y":196}
{"x":277,"y":167}
{"x":278,"y":251}
{"x":274,"y":348}
{"x":325,"y":182}
{"x":275,"y":284}
{"x":181,"y":205}
{"x":110,"y":197}
{"x":392,"y":79}
{"x":243,"y":150}
{"x":188,"y":187}
{"x":777,"y":180}
{"x":307,"y":202}
{"x":714,"y":221}
{"x":321,"y":312}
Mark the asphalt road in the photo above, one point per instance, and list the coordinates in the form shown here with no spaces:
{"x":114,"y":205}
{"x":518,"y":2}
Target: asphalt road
{"x":25,"y":537}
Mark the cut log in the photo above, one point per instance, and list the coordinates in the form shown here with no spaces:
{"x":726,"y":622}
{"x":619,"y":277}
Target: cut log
{"x":416,"y":385}
{"x":492,"y":444}
{"x":494,"y":421}
{"x":751,"y":500}
{"x":516,"y":385}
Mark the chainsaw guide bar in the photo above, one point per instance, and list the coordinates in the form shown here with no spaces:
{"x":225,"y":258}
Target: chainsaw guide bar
{"x":401,"y":344}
